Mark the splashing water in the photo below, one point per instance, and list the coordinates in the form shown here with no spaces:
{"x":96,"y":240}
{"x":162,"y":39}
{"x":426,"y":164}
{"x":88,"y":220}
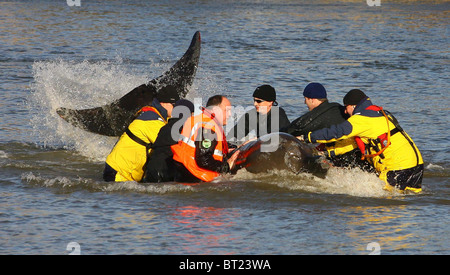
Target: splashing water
{"x":354,"y":182}
{"x":82,"y":85}
{"x":86,"y":84}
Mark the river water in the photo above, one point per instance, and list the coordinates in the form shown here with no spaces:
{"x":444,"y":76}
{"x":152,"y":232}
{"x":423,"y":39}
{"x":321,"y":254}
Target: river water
{"x":55,"y":55}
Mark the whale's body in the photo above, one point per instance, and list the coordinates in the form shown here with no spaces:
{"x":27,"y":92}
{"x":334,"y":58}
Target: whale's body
{"x":281,"y":151}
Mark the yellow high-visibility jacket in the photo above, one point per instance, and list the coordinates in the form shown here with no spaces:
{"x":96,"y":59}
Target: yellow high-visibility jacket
{"x":129,"y":157}
{"x":369,"y":124}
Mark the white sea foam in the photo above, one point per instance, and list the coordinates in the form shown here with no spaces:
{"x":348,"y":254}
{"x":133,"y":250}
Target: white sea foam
{"x":147,"y":188}
{"x":89,"y":184}
{"x":3,"y":155}
{"x":352,"y":182}
{"x":432,"y":166}
{"x":76,"y":85}
{"x":82,"y":85}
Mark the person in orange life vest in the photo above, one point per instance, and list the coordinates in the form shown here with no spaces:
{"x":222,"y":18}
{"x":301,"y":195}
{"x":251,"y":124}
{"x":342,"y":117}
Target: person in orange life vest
{"x":201,"y":153}
{"x":382,"y":141}
{"x":127,"y":159}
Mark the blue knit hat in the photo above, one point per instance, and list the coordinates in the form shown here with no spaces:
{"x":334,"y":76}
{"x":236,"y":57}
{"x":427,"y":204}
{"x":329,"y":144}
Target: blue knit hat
{"x":315,"y":90}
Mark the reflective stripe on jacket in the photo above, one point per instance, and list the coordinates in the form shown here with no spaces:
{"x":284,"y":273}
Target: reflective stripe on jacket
{"x":184,"y":150}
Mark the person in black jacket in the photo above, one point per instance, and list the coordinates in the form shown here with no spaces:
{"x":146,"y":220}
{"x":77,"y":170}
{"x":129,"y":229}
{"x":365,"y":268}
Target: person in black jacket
{"x":265,"y":118}
{"x":160,"y":166}
{"x":324,"y":114}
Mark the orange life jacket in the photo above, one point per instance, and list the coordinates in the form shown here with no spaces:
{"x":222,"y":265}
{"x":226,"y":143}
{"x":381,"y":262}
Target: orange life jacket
{"x":184,"y":150}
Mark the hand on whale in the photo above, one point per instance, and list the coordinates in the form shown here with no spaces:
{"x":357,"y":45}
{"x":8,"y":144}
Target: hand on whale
{"x":281,"y":151}
{"x":113,"y":119}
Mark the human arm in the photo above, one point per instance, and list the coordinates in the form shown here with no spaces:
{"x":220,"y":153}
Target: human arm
{"x":284,"y":120}
{"x":357,"y":125}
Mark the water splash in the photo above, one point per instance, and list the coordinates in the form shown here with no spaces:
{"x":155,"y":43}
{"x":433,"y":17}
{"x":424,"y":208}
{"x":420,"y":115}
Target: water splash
{"x":87,"y":84}
{"x":60,"y":83}
{"x":66,"y":184}
{"x":3,"y":155}
{"x":354,"y":182}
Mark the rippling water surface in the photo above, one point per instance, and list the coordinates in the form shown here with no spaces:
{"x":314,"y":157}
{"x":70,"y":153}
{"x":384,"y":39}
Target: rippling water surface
{"x":53,"y":55}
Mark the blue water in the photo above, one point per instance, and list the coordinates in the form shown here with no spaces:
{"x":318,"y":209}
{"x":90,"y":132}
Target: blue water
{"x":53,"y":55}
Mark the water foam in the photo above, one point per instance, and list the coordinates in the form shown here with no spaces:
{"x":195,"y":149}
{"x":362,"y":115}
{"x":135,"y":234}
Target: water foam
{"x":81,"y":85}
{"x":67,"y":184}
{"x":60,"y":83}
{"x":3,"y":155}
{"x":354,"y":182}
{"x":159,"y":188}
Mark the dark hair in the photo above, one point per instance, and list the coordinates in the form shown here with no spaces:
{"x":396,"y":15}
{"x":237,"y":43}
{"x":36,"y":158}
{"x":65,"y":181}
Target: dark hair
{"x":214,"y":101}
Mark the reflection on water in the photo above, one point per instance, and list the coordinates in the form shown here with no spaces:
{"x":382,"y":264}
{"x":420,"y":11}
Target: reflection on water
{"x":392,"y":227}
{"x":203,"y":230}
{"x":53,"y":55}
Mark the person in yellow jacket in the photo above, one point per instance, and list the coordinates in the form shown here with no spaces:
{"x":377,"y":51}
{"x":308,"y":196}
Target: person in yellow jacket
{"x":126,"y":162}
{"x":382,"y":141}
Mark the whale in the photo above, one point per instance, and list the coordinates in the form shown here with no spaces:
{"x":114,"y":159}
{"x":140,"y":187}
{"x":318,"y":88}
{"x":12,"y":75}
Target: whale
{"x":113,"y":119}
{"x":283,"y":152}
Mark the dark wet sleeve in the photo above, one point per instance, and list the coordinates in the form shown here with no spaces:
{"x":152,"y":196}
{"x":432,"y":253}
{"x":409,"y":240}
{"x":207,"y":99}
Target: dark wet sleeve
{"x":297,"y":127}
{"x":333,"y":133}
{"x":204,"y":151}
{"x":284,"y":120}
{"x":241,"y":129}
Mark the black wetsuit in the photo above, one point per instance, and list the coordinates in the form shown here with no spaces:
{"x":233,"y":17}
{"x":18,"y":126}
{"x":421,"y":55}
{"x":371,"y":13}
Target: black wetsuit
{"x":262,"y":125}
{"x":323,"y":116}
{"x":160,"y":164}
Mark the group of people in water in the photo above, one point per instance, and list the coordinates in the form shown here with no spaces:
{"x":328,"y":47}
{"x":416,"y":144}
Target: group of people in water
{"x":166,"y":142}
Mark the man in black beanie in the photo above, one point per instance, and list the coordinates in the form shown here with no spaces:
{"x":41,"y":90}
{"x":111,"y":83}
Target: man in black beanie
{"x":126,"y":162}
{"x":354,"y":97}
{"x":266,"y":118}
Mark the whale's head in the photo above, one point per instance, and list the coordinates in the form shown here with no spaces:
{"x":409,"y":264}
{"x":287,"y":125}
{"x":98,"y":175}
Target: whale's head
{"x":300,"y":157}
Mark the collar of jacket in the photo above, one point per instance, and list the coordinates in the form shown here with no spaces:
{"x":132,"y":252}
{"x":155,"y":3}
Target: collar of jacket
{"x":361,"y":108}
{"x":156,"y":104}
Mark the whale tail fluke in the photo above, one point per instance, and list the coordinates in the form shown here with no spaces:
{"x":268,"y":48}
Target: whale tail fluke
{"x":113,"y":119}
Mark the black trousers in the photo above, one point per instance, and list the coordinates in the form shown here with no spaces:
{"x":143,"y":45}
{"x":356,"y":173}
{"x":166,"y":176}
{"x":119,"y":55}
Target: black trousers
{"x":411,"y":177}
{"x":183,"y":175}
